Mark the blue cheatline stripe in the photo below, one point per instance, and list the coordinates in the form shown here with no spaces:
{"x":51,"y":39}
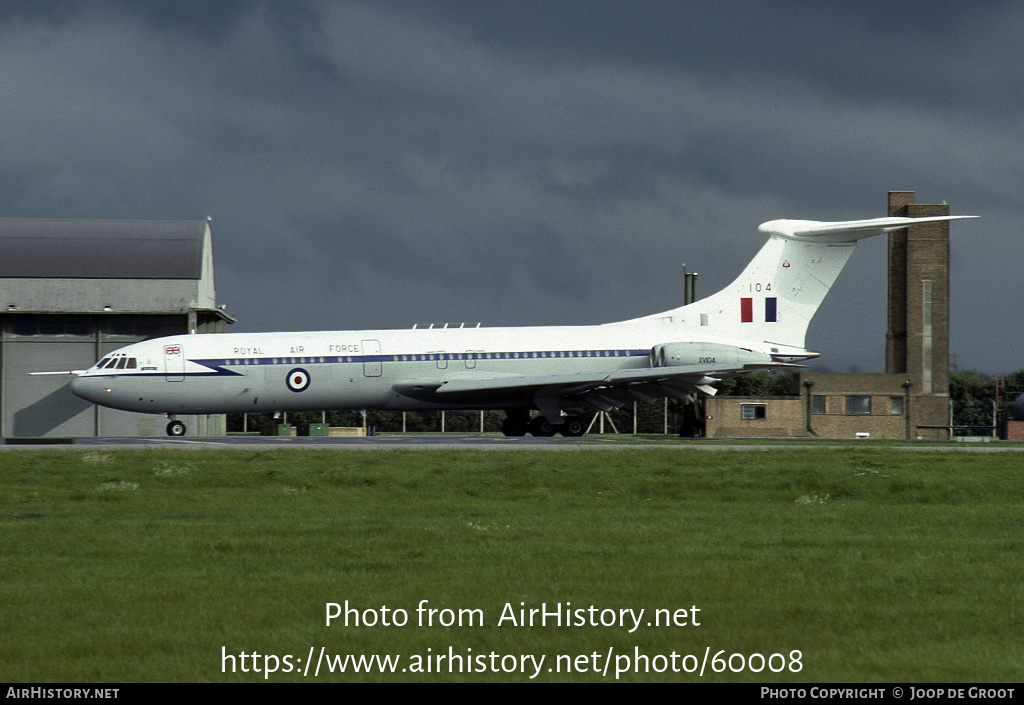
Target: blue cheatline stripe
{"x":218,"y":363}
{"x":770,"y":310}
{"x":216,"y":366}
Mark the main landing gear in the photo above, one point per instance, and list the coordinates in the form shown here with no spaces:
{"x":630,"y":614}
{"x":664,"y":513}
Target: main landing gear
{"x":175,"y":428}
{"x":519,"y":423}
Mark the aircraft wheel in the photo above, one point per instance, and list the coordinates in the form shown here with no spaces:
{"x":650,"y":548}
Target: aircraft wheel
{"x":573,"y":427}
{"x":514,"y":427}
{"x":175,"y":428}
{"x":542,"y":428}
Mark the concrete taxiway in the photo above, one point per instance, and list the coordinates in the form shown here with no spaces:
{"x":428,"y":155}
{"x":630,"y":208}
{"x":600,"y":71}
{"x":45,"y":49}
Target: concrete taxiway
{"x":477,"y":441}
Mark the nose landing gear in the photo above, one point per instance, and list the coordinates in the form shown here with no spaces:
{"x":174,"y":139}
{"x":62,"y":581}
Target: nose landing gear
{"x":175,"y":428}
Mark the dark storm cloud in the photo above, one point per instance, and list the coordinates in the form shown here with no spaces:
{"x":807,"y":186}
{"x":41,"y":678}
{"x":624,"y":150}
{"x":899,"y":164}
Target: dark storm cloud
{"x":378,"y":164}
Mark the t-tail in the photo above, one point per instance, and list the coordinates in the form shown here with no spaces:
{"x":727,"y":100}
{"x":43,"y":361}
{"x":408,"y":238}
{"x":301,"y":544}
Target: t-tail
{"x":773,"y":301}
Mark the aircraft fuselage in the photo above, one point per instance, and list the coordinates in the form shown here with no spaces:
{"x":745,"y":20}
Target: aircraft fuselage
{"x":398,"y":370}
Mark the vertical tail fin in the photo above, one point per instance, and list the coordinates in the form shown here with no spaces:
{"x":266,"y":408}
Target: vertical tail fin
{"x":778,"y":293}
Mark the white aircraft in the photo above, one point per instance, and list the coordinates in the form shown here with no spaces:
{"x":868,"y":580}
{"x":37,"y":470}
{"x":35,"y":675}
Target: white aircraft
{"x":757,"y":322}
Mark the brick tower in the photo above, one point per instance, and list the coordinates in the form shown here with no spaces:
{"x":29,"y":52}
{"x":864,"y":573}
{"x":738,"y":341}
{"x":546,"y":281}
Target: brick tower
{"x":917,"y":340}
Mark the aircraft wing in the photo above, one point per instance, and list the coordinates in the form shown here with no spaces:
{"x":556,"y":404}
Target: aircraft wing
{"x":602,"y":390}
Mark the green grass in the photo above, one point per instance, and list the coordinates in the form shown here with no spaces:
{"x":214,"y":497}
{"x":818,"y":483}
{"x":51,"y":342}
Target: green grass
{"x":876,"y":565}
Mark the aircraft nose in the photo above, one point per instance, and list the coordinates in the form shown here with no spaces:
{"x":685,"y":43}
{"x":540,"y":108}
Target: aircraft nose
{"x":86,"y":387}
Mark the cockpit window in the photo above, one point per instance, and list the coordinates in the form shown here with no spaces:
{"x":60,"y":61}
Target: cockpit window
{"x":118,"y":363}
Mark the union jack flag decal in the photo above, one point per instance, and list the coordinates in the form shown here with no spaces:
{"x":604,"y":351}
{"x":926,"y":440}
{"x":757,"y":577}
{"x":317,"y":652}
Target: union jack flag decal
{"x":172,"y":350}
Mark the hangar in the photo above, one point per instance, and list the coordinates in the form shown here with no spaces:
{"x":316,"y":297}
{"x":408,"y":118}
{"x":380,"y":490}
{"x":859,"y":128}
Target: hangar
{"x":910,"y":400}
{"x":73,"y":291}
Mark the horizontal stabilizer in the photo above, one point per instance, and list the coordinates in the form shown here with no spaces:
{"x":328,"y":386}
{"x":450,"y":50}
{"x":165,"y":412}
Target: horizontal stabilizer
{"x":845,"y":230}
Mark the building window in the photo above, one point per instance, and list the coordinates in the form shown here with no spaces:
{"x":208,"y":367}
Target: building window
{"x":858,"y":406}
{"x":752,"y":411}
{"x":145,"y":327}
{"x":51,"y":326}
{"x":896,"y":406}
{"x":818,"y":404}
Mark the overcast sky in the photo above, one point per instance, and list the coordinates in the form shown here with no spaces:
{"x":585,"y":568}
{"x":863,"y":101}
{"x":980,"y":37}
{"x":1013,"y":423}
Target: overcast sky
{"x":527,"y":162}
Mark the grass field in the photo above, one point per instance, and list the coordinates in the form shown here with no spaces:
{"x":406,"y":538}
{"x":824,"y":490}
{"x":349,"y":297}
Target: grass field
{"x":873,"y":564}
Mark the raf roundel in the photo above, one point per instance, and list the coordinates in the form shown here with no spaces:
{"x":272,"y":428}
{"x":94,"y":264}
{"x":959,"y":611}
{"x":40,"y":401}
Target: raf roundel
{"x":298,"y":380}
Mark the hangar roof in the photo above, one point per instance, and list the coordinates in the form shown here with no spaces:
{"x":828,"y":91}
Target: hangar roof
{"x":101,"y":249}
